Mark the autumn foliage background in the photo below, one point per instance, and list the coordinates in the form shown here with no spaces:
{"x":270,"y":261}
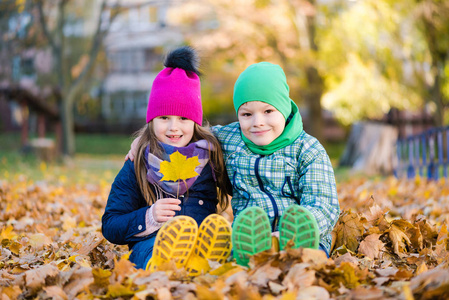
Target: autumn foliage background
{"x":391,"y":241}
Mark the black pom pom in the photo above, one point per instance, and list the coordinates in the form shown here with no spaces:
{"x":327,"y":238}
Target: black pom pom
{"x":184,"y":58}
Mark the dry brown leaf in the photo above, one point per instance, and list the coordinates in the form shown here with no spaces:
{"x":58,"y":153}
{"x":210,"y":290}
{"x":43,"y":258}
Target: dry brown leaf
{"x":347,"y":257}
{"x":35,"y":279}
{"x":416,"y":238}
{"x":262,"y":275}
{"x":371,"y":246}
{"x":55,"y":292}
{"x":313,"y":292}
{"x":92,"y":241}
{"x":346,"y":274}
{"x":387,"y":272}
{"x":349,"y":230}
{"x":276,"y":288}
{"x":398,"y":237}
{"x":432,"y":284}
{"x":79,"y":280}
{"x":376,"y":217}
{"x":39,"y":240}
{"x":12,"y":292}
{"x":442,"y":235}
{"x":428,"y":232}
{"x":363,"y":293}
{"x":299,"y":277}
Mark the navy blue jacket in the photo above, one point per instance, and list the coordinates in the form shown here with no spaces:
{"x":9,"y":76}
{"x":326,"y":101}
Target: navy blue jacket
{"x":125,"y":211}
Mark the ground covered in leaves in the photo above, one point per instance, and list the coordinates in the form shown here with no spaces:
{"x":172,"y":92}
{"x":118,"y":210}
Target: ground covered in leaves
{"x":390,"y":242}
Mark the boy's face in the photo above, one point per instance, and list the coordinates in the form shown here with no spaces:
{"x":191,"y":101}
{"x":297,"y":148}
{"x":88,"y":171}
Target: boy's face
{"x":260,"y":122}
{"x":173,"y":130}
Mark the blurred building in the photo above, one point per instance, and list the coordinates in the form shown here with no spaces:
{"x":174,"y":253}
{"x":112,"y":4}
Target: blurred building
{"x":135,"y":47}
{"x":27,"y":90}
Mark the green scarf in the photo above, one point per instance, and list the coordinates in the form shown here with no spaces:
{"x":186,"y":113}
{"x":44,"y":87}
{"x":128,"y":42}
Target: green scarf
{"x":267,"y":83}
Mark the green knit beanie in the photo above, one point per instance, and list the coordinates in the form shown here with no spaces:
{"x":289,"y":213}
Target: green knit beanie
{"x":265,"y":82}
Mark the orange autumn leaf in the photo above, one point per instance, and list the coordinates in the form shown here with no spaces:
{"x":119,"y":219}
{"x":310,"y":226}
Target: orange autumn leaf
{"x":371,"y":246}
{"x":376,"y":216}
{"x":399,"y":239}
{"x":179,"y":167}
{"x":442,"y":235}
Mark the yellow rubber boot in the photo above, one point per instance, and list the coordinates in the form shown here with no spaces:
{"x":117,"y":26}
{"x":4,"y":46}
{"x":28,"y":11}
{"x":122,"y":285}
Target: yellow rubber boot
{"x":213,"y":243}
{"x":174,"y":241}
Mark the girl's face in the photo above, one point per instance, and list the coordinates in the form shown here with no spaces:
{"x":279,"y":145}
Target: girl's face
{"x":260,"y":122}
{"x":173,"y":130}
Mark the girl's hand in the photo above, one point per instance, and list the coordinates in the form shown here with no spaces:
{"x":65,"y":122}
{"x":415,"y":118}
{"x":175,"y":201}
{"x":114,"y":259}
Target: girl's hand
{"x":133,"y":151}
{"x":164,"y":209}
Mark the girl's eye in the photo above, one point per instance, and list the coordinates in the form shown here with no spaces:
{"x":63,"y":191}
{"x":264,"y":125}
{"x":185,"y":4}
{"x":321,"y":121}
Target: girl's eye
{"x":163,"y":117}
{"x":183,"y":118}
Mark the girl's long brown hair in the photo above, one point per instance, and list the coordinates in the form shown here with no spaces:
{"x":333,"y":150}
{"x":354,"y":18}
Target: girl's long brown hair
{"x":148,"y":138}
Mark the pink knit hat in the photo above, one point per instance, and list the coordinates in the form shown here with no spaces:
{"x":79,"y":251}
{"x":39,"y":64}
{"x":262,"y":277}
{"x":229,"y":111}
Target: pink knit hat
{"x":176,"y":92}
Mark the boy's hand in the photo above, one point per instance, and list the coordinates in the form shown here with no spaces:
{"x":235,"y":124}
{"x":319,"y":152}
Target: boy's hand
{"x":164,"y":209}
{"x":133,"y":151}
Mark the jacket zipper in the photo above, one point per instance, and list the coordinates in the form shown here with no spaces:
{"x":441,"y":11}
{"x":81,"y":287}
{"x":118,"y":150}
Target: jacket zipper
{"x":262,"y":188}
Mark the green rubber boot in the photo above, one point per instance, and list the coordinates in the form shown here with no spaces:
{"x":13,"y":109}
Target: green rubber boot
{"x":251,"y":234}
{"x":298,"y":224}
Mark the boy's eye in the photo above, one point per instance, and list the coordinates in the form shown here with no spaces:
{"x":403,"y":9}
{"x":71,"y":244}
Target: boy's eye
{"x":245,"y":114}
{"x":269,"y":111}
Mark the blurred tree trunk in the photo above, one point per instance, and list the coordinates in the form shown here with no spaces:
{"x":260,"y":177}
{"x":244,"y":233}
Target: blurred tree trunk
{"x":435,"y":26}
{"x":313,"y":101}
{"x":315,"y":82}
{"x":69,"y":83}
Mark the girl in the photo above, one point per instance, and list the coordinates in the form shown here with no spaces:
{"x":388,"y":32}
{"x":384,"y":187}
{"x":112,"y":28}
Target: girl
{"x":141,"y":201}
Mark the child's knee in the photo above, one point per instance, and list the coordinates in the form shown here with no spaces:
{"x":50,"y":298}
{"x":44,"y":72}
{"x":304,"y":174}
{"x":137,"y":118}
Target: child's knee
{"x":142,"y":252}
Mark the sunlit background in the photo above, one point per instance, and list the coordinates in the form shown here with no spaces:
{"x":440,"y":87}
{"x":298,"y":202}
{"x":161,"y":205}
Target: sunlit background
{"x":71,"y":70}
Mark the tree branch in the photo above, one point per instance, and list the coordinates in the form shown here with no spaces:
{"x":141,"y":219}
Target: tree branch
{"x":44,"y":25}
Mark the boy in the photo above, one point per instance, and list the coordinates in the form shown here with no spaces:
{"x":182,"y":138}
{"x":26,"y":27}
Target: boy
{"x":276,"y":166}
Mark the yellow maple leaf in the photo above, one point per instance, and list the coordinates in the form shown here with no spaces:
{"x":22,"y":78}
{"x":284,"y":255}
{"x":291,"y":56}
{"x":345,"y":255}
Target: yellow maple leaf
{"x":179,"y":168}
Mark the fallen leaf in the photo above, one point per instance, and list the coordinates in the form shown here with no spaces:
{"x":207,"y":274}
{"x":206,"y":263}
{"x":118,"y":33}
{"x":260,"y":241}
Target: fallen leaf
{"x":347,"y":257}
{"x":262,"y":275}
{"x":376,"y":216}
{"x":8,"y":233}
{"x":363,"y":293}
{"x":80,"y":278}
{"x":398,"y":237}
{"x":118,"y":290}
{"x":55,"y":292}
{"x":345,"y":274}
{"x":35,"y":279}
{"x":299,"y":277}
{"x":349,"y":230}
{"x":313,"y":292}
{"x":371,"y":246}
{"x":387,"y":272}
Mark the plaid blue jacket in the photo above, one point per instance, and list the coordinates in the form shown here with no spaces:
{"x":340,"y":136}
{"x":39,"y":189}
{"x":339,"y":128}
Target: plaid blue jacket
{"x":298,"y":173}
